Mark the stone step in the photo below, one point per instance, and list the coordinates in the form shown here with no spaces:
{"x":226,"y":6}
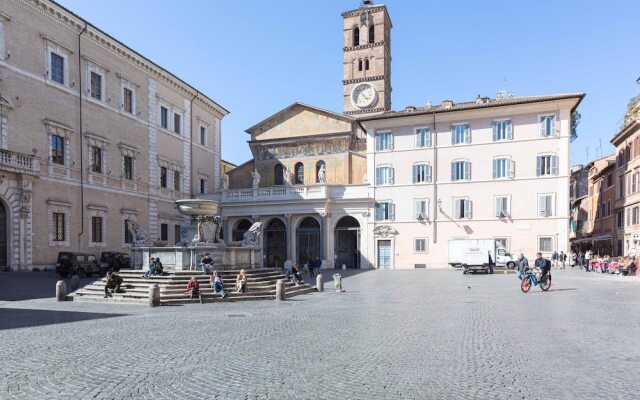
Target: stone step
{"x":261,"y":283}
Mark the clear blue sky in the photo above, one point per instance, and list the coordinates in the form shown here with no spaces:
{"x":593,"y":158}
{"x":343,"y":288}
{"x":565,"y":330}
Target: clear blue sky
{"x":257,"y":57}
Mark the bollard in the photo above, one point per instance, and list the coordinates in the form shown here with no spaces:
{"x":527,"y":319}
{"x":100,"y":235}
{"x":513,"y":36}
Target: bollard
{"x":154,"y":295}
{"x":319,"y":283}
{"x":61,"y":291}
{"x":280,"y":292}
{"x":74,"y":284}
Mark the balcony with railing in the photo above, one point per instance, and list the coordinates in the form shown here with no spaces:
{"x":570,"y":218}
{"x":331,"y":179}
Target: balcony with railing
{"x":280,"y":193}
{"x":19,"y":162}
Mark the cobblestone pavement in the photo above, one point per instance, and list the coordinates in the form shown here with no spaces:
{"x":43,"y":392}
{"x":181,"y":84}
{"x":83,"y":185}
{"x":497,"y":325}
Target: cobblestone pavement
{"x":391,"y":335}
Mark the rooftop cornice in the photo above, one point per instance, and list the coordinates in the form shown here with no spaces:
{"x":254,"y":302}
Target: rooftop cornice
{"x":364,"y":46}
{"x":627,"y":131}
{"x":358,"y":11}
{"x":365,"y":79}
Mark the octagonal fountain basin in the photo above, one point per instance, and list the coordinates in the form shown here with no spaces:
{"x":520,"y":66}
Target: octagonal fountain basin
{"x":196,"y":207}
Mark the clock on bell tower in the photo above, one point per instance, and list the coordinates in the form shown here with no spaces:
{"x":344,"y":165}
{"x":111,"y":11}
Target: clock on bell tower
{"x":367,"y":60}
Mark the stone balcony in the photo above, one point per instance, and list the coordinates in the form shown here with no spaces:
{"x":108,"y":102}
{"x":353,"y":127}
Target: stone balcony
{"x":292,"y":193}
{"x":19,"y":163}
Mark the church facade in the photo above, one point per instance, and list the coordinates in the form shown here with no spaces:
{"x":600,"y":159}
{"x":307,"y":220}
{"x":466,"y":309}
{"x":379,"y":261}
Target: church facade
{"x":377,"y":188}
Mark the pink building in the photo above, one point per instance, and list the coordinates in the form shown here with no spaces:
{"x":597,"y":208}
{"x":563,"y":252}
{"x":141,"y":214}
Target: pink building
{"x":491,"y":168}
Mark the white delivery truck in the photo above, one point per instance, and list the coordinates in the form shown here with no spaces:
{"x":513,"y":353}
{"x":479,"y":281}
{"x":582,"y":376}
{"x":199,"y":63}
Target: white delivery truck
{"x":473,"y":255}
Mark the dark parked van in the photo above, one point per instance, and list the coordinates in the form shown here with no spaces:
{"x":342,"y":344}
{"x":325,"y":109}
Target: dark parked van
{"x":81,"y":264}
{"x":115,"y":260}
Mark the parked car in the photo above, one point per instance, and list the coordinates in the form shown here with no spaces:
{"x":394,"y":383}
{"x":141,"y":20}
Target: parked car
{"x":115,"y":260}
{"x":81,"y":264}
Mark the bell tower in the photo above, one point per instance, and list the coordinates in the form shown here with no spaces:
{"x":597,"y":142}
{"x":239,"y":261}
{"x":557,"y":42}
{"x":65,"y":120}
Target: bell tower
{"x":367,"y":60}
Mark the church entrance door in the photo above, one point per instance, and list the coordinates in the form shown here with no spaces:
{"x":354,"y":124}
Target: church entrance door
{"x":275,"y":243}
{"x":347,"y":243}
{"x":308,"y":241}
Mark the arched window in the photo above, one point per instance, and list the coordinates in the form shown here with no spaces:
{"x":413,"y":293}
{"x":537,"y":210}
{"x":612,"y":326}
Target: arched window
{"x":278,"y":175}
{"x":356,"y":36}
{"x":366,"y":64}
{"x":299,"y":174}
{"x":321,"y":172}
{"x":372,"y":34}
{"x":359,"y":65}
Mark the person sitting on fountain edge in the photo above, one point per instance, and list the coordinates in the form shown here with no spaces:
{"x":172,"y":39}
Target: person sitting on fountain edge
{"x":207,"y":264}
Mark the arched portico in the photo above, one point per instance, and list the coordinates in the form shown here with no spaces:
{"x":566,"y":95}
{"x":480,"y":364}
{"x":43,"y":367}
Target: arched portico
{"x":275,"y":243}
{"x":347,"y":242}
{"x":4,"y":235}
{"x":308,"y":240}
{"x":240,"y":228}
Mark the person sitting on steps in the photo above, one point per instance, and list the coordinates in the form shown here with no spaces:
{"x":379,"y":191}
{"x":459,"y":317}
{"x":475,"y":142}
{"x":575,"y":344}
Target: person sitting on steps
{"x":193,"y":288}
{"x":296,"y":275}
{"x":241,"y":282}
{"x":207,"y":264}
{"x":113,"y":282}
{"x":159,"y":267}
{"x":152,"y":268}
{"x":216,"y":284}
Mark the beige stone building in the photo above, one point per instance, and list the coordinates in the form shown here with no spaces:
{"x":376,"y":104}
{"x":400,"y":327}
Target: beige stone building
{"x":306,"y":185}
{"x":94,"y":136}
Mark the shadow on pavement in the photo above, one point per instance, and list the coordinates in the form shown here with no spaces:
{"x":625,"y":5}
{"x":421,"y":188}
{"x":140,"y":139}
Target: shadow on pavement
{"x":12,"y":318}
{"x":555,"y":290}
{"x":328,"y":274}
{"x":17,"y":286}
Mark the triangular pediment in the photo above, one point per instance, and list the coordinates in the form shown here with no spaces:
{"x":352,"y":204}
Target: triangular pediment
{"x":301,"y":120}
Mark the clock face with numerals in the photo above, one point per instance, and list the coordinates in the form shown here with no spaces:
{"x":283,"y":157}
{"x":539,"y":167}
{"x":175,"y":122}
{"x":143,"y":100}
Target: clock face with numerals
{"x":364,"y":95}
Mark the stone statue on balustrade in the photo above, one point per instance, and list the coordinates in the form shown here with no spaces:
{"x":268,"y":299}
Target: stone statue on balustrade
{"x":255,"y":176}
{"x":322,"y":172}
{"x":288,"y":176}
{"x":138,"y":235}
{"x":252,"y":236}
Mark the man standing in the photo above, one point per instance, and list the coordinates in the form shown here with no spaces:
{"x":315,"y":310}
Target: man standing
{"x":554,"y":259}
{"x":562,"y":258}
{"x":523,"y":264}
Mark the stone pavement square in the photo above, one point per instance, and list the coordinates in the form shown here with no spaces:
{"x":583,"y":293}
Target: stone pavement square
{"x":416,"y":334}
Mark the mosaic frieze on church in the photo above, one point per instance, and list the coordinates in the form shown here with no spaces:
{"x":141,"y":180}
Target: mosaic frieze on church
{"x":292,"y":150}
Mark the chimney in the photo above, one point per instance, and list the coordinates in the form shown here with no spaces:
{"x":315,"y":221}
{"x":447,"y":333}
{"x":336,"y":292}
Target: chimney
{"x":429,"y":104}
{"x":447,"y":103}
{"x":478,"y":100}
{"x":410,"y":108}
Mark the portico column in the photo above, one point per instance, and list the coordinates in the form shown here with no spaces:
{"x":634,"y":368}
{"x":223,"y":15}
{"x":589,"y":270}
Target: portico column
{"x":290,"y":237}
{"x":324,"y":236}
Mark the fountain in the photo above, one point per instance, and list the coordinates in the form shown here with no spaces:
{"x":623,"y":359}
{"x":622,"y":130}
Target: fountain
{"x":202,"y":235}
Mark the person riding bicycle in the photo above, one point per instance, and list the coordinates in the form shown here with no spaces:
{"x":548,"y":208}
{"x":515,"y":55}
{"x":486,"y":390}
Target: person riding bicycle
{"x":544,"y":265}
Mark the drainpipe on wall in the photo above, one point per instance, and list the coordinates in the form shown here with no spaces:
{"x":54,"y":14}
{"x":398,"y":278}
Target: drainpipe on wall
{"x":191,"y":144}
{"x":435,"y":180}
{"x":81,"y":136}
